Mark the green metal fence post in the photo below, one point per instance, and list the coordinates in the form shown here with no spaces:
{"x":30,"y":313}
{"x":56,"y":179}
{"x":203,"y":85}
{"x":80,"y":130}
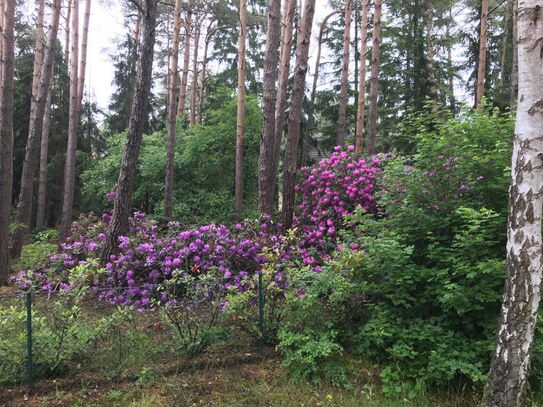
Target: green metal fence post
{"x":260,"y":313}
{"x":29,"y":364}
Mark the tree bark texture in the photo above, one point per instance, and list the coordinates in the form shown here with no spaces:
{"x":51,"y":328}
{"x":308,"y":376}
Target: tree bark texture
{"x":67,"y":31}
{"x":271,"y":58}
{"x":172,"y":111}
{"x":42,"y":181}
{"x":374,"y":76}
{"x":483,"y":45}
{"x":361,"y":106}
{"x":289,"y":9}
{"x":6,"y":132}
{"x":514,"y":69}
{"x":37,"y":109}
{"x":344,"y":87}
{"x":38,"y":51}
{"x":295,"y":116}
{"x":186,"y":62}
{"x":194,"y":84}
{"x":122,"y":205}
{"x":73,"y":122}
{"x":240,"y":127}
{"x":507,"y":381}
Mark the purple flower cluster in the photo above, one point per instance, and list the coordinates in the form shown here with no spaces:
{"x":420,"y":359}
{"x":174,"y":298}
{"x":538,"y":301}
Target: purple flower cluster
{"x":331,"y":191}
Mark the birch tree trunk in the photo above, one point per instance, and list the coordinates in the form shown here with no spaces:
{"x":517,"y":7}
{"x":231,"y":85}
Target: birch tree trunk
{"x":265,"y":184}
{"x":240,"y":127}
{"x":37,"y":109}
{"x":289,"y":8}
{"x":361,"y":106}
{"x":122,"y":205}
{"x":172,"y":111}
{"x":186,"y":62}
{"x":344,"y":87}
{"x":6,"y":132}
{"x":42,"y":182}
{"x":312,"y":98}
{"x":507,"y":381}
{"x":374,"y":77}
{"x":295,"y":116}
{"x":194,"y":84}
{"x":73,"y":120}
{"x":483,"y":45}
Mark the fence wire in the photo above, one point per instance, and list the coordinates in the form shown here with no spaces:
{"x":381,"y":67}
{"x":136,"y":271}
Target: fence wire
{"x":59,"y":334}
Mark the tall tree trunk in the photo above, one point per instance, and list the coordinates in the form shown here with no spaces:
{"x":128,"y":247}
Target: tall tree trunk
{"x":289,"y":10}
{"x":194,"y":84}
{"x":295,"y":116}
{"x":1,"y":43}
{"x":186,"y":61}
{"x":201,"y":96}
{"x":483,"y":45}
{"x":72,"y":114}
{"x":240,"y":127}
{"x":374,"y":77}
{"x":514,"y":69}
{"x":450,"y":76}
{"x":507,"y":380}
{"x":67,"y":31}
{"x":430,"y":51}
{"x":74,"y":118}
{"x":172,"y":111}
{"x":42,"y":183}
{"x":311,"y":111}
{"x":37,"y":109}
{"x":122,"y":205}
{"x":38,"y":51}
{"x":505,"y":40}
{"x":361,"y":106}
{"x":265,"y":185}
{"x":344,"y":88}
{"x":6,"y":132}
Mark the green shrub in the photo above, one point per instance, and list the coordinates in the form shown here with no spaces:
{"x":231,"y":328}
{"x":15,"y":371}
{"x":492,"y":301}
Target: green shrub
{"x":35,"y":255}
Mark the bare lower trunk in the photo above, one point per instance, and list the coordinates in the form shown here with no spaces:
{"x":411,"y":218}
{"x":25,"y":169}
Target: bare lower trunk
{"x":186,"y":61}
{"x":1,"y":44}
{"x":344,"y":88}
{"x":505,"y":38}
{"x":67,"y":31}
{"x":361,"y":108}
{"x":42,"y":183}
{"x":271,"y":58}
{"x":374,"y":77}
{"x":284,"y":69}
{"x":201,"y":96}
{"x":508,"y":377}
{"x":295,"y":116}
{"x":450,"y":76}
{"x":37,"y":109}
{"x":430,"y":51}
{"x":6,"y":132}
{"x":514,"y":69}
{"x":38,"y":51}
{"x":73,"y":122}
{"x":194,"y":84}
{"x":483,"y":44}
{"x":123,"y":199}
{"x":172,"y":111}
{"x":240,"y":128}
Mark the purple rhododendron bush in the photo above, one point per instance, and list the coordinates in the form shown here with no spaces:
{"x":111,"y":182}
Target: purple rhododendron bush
{"x":151,"y":260}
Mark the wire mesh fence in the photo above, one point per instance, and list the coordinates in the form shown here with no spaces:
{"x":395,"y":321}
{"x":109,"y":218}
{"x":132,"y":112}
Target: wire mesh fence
{"x":97,"y":334}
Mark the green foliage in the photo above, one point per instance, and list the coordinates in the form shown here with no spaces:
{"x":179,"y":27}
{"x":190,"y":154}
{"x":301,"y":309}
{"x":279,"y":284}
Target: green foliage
{"x":309,"y":339}
{"x":35,"y":255}
{"x":204,"y":167}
